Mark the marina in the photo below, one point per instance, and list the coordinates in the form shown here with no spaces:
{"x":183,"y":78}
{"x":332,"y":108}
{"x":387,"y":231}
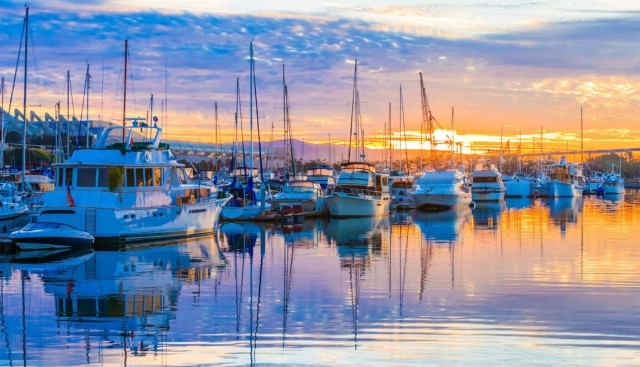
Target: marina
{"x":525,"y":279}
{"x":283,"y":218}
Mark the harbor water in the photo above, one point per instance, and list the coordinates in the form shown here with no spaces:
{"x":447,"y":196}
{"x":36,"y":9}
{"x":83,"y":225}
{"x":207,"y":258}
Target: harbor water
{"x":528,"y":282}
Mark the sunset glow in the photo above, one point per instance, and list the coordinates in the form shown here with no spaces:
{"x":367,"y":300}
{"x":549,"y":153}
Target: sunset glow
{"x":504,"y":69}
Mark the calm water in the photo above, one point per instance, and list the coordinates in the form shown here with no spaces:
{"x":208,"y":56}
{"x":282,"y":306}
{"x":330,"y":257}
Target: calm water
{"x":527,"y":283}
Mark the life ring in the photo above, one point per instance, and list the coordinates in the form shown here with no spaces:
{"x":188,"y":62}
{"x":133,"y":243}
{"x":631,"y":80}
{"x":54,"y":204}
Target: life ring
{"x":146,"y":157}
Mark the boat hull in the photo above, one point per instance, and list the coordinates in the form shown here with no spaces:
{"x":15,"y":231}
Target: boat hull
{"x":519,"y":188}
{"x":557,"y":189}
{"x":436,"y":201}
{"x":124,"y":225}
{"x":342,"y":205}
{"x":487,"y":194}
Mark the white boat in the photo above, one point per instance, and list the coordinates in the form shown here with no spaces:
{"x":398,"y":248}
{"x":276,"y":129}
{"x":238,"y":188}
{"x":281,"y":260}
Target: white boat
{"x":565,"y":180}
{"x":34,"y":188}
{"x":360,"y":192}
{"x":441,"y":189}
{"x":401,"y":187}
{"x":11,"y":204}
{"x":323,"y":175}
{"x":613,"y":184}
{"x":46,"y":235}
{"x":130,"y":188}
{"x":309,"y":195}
{"x":520,"y":186}
{"x":487,"y":183}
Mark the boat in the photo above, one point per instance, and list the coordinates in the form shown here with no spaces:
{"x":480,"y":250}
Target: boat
{"x":520,"y":186}
{"x":247,"y":203}
{"x":487,"y":183}
{"x":309,"y":195}
{"x":132,"y":191}
{"x":441,"y":189}
{"x":565,"y":180}
{"x":34,"y":187}
{"x":360,"y":191}
{"x":400,"y":187}
{"x":11,"y":204}
{"x":48,"y":235}
{"x":613,"y":183}
{"x":324,"y":175}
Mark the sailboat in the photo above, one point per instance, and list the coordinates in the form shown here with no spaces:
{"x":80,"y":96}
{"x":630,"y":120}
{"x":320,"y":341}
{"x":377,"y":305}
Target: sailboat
{"x":246,"y":205}
{"x":360,"y":191}
{"x":12,"y":204}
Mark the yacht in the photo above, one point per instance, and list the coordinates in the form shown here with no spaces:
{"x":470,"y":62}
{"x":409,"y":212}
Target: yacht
{"x":130,"y":188}
{"x":360,"y":192}
{"x":613,"y":184}
{"x":401,"y":187}
{"x":441,"y":189}
{"x":323,"y":175}
{"x":11,"y":204}
{"x":565,"y":180}
{"x":487,"y":183}
{"x":309,"y":195}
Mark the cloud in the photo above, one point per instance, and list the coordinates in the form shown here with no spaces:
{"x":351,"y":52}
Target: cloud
{"x":538,"y":75}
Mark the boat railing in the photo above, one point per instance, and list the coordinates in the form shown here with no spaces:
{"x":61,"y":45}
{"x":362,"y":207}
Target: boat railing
{"x":356,"y":191}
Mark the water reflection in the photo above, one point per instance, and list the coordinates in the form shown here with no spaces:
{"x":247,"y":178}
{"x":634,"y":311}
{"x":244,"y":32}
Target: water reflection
{"x":486,"y":215}
{"x":563,"y":211}
{"x":454,"y":287}
{"x":442,"y":226}
{"x":114,"y":300}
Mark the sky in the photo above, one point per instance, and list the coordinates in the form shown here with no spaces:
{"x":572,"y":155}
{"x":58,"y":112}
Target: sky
{"x":493,"y":70}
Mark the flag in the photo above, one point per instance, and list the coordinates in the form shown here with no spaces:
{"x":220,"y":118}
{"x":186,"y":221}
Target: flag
{"x":70,"y":200}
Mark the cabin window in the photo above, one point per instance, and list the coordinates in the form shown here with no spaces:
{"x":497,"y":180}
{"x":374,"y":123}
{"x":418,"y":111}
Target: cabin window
{"x":148,"y":177}
{"x":103,"y":177}
{"x":68,"y":177}
{"x":61,"y":175}
{"x":86,"y":177}
{"x":157,"y":177}
{"x":139,"y":177}
{"x":183,"y":176}
{"x":131,"y":178}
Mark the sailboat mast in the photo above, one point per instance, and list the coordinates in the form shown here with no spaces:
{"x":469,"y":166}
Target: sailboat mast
{"x":353,"y":107}
{"x":251,"y":106}
{"x":2,"y":125}
{"x":124,"y":100}
{"x":24,"y":98}
{"x":88,"y":88}
{"x":388,"y":136}
{"x":581,"y":139}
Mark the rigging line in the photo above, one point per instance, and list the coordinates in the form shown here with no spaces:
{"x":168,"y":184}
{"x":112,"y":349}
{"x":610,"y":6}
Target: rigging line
{"x":15,"y":73}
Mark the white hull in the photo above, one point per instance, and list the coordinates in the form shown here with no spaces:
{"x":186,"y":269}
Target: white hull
{"x":487,"y":194}
{"x":442,"y":201}
{"x":557,"y":189}
{"x":519,"y":188}
{"x":310,"y":207}
{"x":138,"y":224}
{"x":31,"y":246}
{"x":340,"y":204}
{"x":613,"y":190}
{"x":248,"y":212}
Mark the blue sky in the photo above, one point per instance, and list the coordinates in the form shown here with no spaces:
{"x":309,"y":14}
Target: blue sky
{"x":515,"y":66}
